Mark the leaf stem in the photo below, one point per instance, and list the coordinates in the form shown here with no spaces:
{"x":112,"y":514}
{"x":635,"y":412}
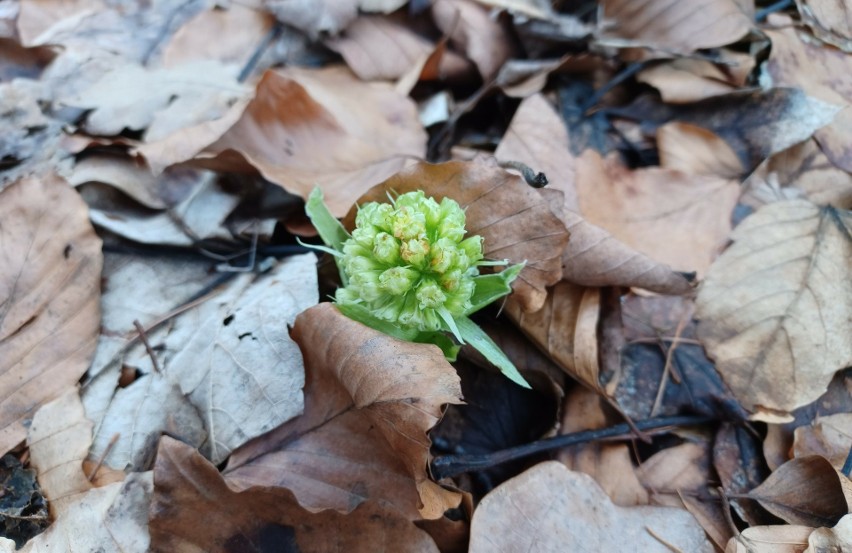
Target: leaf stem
{"x":452,"y":465}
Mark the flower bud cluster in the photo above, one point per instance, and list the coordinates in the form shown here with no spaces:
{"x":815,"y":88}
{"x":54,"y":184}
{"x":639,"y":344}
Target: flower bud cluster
{"x":409,"y":263}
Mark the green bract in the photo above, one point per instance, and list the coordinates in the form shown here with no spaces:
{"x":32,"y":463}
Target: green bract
{"x":408,"y":270}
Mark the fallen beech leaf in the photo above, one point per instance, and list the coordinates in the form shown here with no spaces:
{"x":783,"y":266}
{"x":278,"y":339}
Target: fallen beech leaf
{"x":594,"y":257}
{"x":609,"y":464}
{"x":36,"y":17}
{"x":817,"y":70}
{"x":550,"y":508}
{"x":806,"y":491}
{"x":50,"y":268}
{"x":513,"y":219}
{"x":386,"y":48}
{"x":681,"y":476}
{"x":829,"y":437}
{"x":778,"y":337}
{"x":684,"y":80}
{"x":237,"y":29}
{"x":677,"y":219}
{"x":838,"y":538}
{"x":829,"y":20}
{"x":111,"y":518}
{"x":194,"y":509}
{"x":163,"y":101}
{"x":343,"y":143}
{"x":472,"y":30}
{"x":696,"y":151}
{"x":371,"y":399}
{"x":672,"y":26}
{"x":565,"y":328}
{"x":805,"y":167}
{"x":770,"y":539}
{"x":59,"y":440}
{"x":314,"y":17}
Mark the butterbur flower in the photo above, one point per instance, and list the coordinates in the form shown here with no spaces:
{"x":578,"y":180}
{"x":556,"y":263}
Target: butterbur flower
{"x":408,"y":270}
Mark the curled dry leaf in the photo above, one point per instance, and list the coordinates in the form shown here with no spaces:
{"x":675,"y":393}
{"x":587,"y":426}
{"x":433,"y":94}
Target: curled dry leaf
{"x":481,"y":37}
{"x":838,"y":538}
{"x":770,"y":539}
{"x":369,"y":402}
{"x":550,"y":508}
{"x":307,"y":128}
{"x":684,"y":80}
{"x":819,"y":72}
{"x":806,"y":491}
{"x":59,"y":440}
{"x":50,"y":268}
{"x":696,"y":151}
{"x":829,"y":437}
{"x":672,"y":26}
{"x":194,"y":509}
{"x":565,"y":328}
{"x":674,"y":218}
{"x":830,"y":21}
{"x":514,"y":220}
{"x":776,"y":308}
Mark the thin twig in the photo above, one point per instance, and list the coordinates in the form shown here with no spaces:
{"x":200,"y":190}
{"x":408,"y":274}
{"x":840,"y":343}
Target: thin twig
{"x":668,"y":545}
{"x":143,"y":336}
{"x":726,"y":510}
{"x":452,"y":465}
{"x":273,"y":35}
{"x":667,"y":368}
{"x":847,"y":466}
{"x":103,"y":456}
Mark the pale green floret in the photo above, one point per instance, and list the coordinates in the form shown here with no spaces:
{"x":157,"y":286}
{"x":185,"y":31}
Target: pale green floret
{"x":407,"y":263}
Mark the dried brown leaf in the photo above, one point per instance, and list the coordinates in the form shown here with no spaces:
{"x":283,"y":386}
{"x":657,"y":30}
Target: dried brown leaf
{"x":483,"y":39}
{"x":370,"y":399}
{"x":838,"y":538}
{"x":336,"y":132}
{"x":514,"y":220}
{"x":672,"y":26}
{"x":776,"y":308}
{"x":806,"y":491}
{"x":194,"y":509}
{"x":684,"y":80}
{"x":550,"y":508}
{"x":674,"y":218}
{"x":819,"y":71}
{"x":565,"y":328}
{"x":696,"y":151}
{"x":50,"y":269}
{"x":59,"y":440}
{"x":830,"y":21}
{"x":829,"y":437}
{"x":770,"y":539}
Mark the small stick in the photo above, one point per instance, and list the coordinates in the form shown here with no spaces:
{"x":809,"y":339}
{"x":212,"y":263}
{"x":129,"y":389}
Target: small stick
{"x":669,"y":546}
{"x":452,"y":465}
{"x":536,"y":180}
{"x":144,"y":337}
{"x":847,"y":466}
{"x":100,"y":463}
{"x":667,"y":368}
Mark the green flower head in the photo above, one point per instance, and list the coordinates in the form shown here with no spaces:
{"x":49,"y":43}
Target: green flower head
{"x":408,"y":261}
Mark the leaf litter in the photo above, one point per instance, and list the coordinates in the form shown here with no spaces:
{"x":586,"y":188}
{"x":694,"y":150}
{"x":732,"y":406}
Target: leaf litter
{"x":163,"y":362}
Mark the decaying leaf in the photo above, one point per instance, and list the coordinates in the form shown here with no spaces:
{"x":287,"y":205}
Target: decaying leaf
{"x":343,"y":143}
{"x":674,"y":218}
{"x":370,"y":399}
{"x":830,"y":21}
{"x":59,"y":440}
{"x":829,"y":437}
{"x":672,"y":26}
{"x":110,"y":518}
{"x":696,"y":151}
{"x":550,"y":508}
{"x":683,"y":80}
{"x":514,"y":220}
{"x":194,"y":509}
{"x":819,"y":72}
{"x":806,"y":491}
{"x":770,"y":539}
{"x":594,"y":257}
{"x":775,"y":308}
{"x":838,"y":538}
{"x":565,"y":328}
{"x":50,"y":267}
